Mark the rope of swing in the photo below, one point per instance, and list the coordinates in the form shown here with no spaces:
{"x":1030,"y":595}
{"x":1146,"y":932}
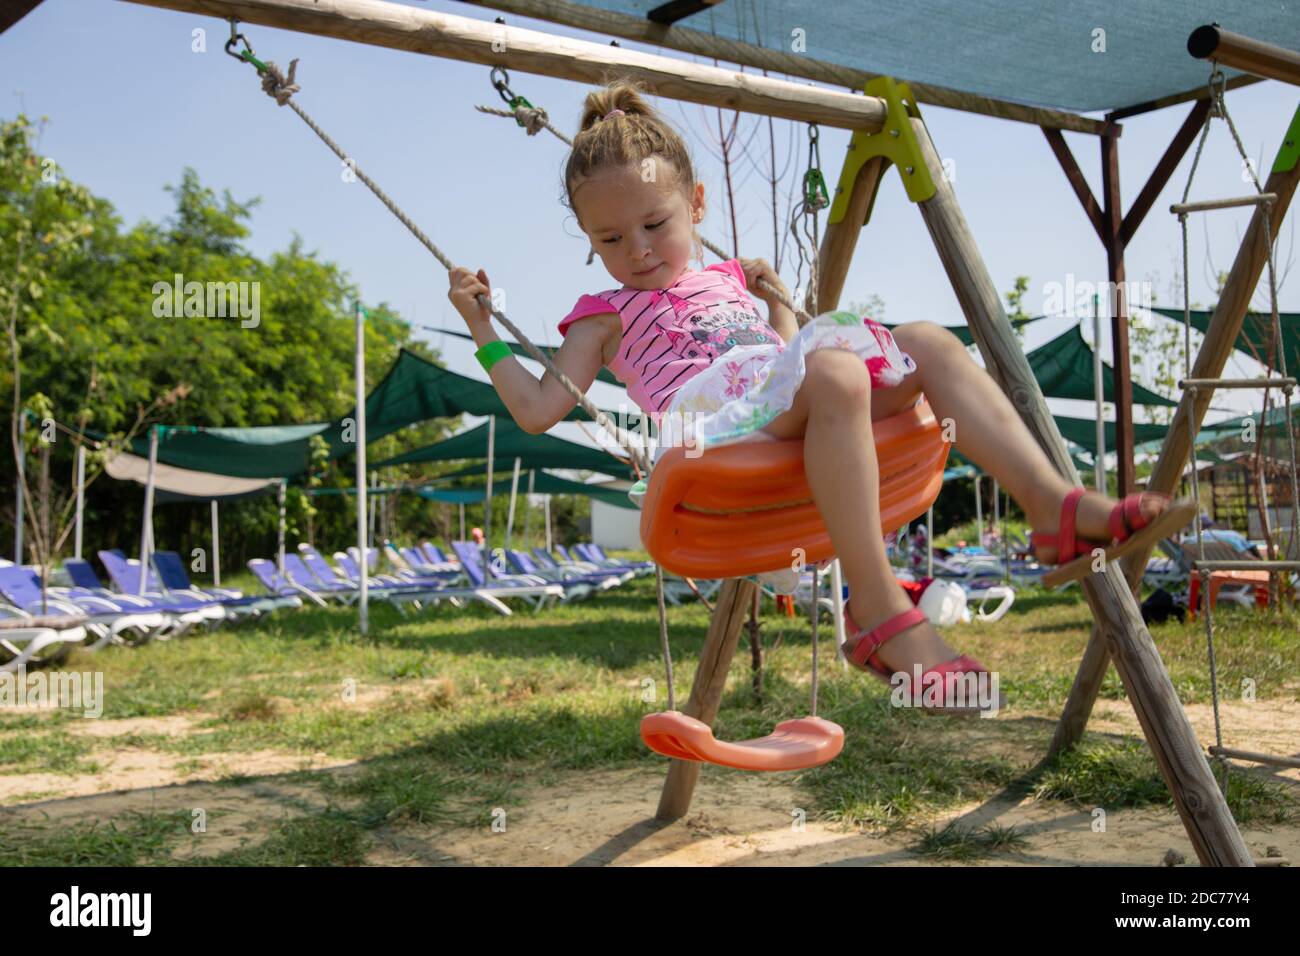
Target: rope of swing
{"x":281,"y":89}
{"x":533,"y":120}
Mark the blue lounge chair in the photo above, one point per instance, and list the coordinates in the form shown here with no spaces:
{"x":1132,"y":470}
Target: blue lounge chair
{"x":533,"y":590}
{"x":599,"y":580}
{"x":278,"y":585}
{"x":299,"y":574}
{"x":171,"y":570}
{"x":178,"y":616}
{"x":27,"y":639}
{"x":596,"y":555}
{"x":125,"y":572}
{"x":433,"y":592}
{"x":108,"y":621}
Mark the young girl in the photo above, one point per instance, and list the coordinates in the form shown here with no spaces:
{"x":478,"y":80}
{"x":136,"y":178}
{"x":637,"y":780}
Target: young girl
{"x":687,"y":340}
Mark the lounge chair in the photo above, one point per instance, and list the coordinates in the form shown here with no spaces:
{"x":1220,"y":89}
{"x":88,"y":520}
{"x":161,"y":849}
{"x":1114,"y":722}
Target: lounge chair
{"x":576,"y":586}
{"x":298,"y":573}
{"x":25,"y":638}
{"x":592,"y":555}
{"x":108,"y":621}
{"x":436,"y":558}
{"x":380,"y":587}
{"x":529,"y":589}
{"x":432,"y":592}
{"x":599,"y":580}
{"x":125,"y":573}
{"x":171,"y":570}
{"x":278,"y":585}
{"x":180,"y":616}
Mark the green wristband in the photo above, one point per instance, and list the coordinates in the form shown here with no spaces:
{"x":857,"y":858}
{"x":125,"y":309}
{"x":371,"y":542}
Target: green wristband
{"x":492,"y":353}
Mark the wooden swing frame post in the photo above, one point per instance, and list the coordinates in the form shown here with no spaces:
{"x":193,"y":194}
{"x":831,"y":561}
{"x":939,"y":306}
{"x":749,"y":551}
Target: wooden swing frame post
{"x":1200,"y":804}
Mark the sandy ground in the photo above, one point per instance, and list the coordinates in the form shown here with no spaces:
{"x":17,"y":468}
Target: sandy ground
{"x":604,"y":819}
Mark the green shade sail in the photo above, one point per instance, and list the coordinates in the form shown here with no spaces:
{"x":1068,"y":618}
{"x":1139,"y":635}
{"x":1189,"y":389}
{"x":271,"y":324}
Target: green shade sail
{"x":510,"y":442}
{"x":413,"y":390}
{"x":1063,"y":369}
{"x":1083,"y":432}
{"x":963,"y":332}
{"x":604,"y":375}
{"x":543,"y":484}
{"x":1256,"y":334}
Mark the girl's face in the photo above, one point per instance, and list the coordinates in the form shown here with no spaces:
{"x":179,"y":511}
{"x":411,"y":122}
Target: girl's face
{"x":642,"y":227}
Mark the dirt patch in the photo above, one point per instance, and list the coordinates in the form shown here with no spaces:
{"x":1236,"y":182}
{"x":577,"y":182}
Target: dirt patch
{"x":170,"y":726}
{"x":1264,"y":726}
{"x":133,"y":769}
{"x":223,"y":817}
{"x":607,"y":818}
{"x":748,"y":820}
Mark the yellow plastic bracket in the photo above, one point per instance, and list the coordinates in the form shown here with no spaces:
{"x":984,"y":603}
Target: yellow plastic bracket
{"x":895,"y":142}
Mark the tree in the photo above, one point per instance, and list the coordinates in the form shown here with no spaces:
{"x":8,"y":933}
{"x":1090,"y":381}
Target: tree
{"x":94,"y":345}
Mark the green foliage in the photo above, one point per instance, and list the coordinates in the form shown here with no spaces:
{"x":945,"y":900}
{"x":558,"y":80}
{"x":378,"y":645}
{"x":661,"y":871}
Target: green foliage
{"x":96,"y":345}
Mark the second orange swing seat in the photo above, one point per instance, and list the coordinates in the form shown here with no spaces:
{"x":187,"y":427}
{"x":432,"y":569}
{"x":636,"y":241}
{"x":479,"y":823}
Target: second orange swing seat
{"x":742,"y":509}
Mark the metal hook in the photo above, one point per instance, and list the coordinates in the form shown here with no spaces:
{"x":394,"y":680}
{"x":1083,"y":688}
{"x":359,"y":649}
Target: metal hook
{"x":248,"y":56}
{"x":1218,"y":84}
{"x":502,"y":86}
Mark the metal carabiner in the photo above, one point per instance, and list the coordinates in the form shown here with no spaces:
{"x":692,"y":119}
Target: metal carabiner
{"x":502,"y":86}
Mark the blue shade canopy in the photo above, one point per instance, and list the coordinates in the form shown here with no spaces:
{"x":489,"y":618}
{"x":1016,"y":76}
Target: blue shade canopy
{"x":1046,"y":53}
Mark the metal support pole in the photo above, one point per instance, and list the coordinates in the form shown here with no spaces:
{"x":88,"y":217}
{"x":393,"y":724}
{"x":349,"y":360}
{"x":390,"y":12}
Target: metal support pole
{"x":1099,"y":392}
{"x":1123,"y":392}
{"x":146,"y":530}
{"x":979,"y":514}
{"x":929,"y":542}
{"x":371,"y":500}
{"x":81,"y":501}
{"x":837,"y":601}
{"x":487,"y":497}
{"x":528,"y":511}
{"x":20,"y":468}
{"x":280,"y":496}
{"x":216,"y":546}
{"x":547,"y":506}
{"x":363,"y":605}
{"x":514,"y":490}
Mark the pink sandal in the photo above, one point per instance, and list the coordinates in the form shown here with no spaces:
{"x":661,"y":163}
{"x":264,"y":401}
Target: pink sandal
{"x":865,"y":658}
{"x":1126,"y":520}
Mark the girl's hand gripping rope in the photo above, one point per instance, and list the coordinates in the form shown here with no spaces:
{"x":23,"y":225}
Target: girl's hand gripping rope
{"x":465,"y":289}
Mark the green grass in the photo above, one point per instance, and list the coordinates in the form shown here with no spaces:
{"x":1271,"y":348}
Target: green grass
{"x":960,"y":844}
{"x":453,"y":713}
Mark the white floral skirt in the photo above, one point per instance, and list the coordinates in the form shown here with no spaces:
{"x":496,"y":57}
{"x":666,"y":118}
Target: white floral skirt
{"x":752,"y":384}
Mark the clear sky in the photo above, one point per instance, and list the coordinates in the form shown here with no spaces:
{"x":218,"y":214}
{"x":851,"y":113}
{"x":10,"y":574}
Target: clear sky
{"x":131,"y":103}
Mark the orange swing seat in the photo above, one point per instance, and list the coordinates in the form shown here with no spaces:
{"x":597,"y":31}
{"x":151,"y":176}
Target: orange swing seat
{"x":742,"y":509}
{"x":793,"y":745}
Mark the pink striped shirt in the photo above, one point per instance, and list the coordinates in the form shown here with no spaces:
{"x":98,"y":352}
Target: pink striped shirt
{"x":671,"y":335}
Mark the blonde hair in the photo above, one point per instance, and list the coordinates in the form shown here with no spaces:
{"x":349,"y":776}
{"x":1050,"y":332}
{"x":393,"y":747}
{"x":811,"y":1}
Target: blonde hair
{"x":639,"y":134}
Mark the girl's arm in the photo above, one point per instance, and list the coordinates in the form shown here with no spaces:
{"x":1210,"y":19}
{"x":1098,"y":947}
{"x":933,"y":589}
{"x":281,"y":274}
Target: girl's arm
{"x":779,"y":317}
{"x":535,"y":405}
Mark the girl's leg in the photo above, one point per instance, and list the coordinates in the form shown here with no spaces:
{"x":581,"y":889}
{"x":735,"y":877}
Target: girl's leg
{"x":833,"y":411}
{"x":989,"y":431}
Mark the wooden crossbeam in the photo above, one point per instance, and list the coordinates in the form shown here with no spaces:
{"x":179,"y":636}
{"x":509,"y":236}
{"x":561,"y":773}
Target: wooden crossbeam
{"x":789,"y":63}
{"x":474,"y":41}
{"x":11,"y":11}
